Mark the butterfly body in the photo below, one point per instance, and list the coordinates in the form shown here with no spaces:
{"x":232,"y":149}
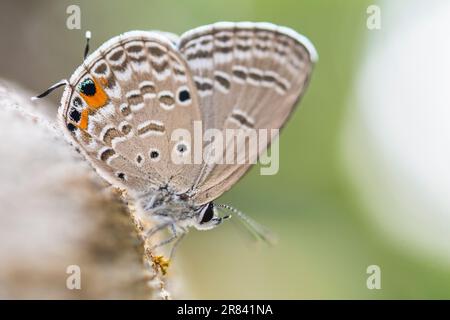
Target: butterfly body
{"x":122,"y":106}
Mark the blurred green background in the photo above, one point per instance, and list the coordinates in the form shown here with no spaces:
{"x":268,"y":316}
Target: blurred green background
{"x":325,"y":240}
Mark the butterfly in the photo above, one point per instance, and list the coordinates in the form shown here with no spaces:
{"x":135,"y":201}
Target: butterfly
{"x":121,"y":106}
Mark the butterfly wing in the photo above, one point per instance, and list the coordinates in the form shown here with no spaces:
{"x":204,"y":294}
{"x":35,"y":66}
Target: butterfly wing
{"x":248,"y":76}
{"x":122,"y":105}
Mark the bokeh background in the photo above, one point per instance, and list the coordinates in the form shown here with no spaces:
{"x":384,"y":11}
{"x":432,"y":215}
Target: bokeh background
{"x":347,"y":195}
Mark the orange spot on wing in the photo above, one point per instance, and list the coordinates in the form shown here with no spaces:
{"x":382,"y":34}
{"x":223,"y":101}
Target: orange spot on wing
{"x":84,"y":119}
{"x":99,"y":99}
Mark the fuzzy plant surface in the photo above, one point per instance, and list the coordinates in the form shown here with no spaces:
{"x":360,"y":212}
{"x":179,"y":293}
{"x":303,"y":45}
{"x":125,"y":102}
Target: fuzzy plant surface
{"x":64,"y":232}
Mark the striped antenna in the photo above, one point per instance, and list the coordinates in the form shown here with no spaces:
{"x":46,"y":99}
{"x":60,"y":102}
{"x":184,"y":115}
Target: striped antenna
{"x":86,"y":48}
{"x":251,"y":225}
{"x":61,"y":83}
{"x":64,"y":82}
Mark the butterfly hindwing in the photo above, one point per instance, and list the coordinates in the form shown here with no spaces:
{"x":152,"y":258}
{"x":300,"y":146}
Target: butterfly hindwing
{"x":122,"y":105}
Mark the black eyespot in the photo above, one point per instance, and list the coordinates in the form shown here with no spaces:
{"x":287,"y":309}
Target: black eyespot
{"x":184,"y":95}
{"x":121,"y":175}
{"x":87,"y":87}
{"x":75,"y":115}
{"x":181,"y":148}
{"x":71,"y":127}
{"x":208,"y":214}
{"x":154,"y":154}
{"x":139,"y":159}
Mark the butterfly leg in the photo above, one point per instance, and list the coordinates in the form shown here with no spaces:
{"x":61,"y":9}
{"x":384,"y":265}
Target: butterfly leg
{"x":175,"y":245}
{"x":175,"y":236}
{"x":157,"y":228}
{"x":159,"y":260}
{"x":164,"y":242}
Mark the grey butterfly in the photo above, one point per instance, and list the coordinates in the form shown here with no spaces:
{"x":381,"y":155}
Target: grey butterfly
{"x":121,"y":105}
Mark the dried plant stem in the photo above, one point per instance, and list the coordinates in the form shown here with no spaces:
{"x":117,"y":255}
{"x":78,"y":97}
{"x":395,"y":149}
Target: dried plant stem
{"x":57,"y":212}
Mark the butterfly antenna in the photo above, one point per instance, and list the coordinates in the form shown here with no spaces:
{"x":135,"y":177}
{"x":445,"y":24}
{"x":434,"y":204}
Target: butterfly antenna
{"x":251,"y":225}
{"x":64,"y":82}
{"x":86,"y":48}
{"x":61,"y":83}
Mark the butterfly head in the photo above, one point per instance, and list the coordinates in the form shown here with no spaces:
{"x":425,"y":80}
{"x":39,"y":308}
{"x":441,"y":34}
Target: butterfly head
{"x":208,"y":217}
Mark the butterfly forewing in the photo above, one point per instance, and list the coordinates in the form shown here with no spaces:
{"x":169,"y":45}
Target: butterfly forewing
{"x":123,"y":104}
{"x":248,"y":76}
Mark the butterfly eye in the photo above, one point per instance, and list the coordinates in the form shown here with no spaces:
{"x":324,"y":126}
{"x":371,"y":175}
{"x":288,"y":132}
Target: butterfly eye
{"x":208,"y":214}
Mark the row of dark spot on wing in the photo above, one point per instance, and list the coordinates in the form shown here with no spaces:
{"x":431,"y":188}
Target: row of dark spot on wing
{"x":74,"y":113}
{"x":108,"y":152}
{"x":105,"y":146}
{"x":121,"y":57}
{"x":164,"y":98}
{"x":260,"y":34}
{"x":112,"y":133}
{"x":265,"y":42}
{"x":163,"y":62}
{"x":138,"y":97}
{"x":290,"y":55}
{"x":243,"y":74}
{"x":118,"y":55}
{"x":192,"y":49}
